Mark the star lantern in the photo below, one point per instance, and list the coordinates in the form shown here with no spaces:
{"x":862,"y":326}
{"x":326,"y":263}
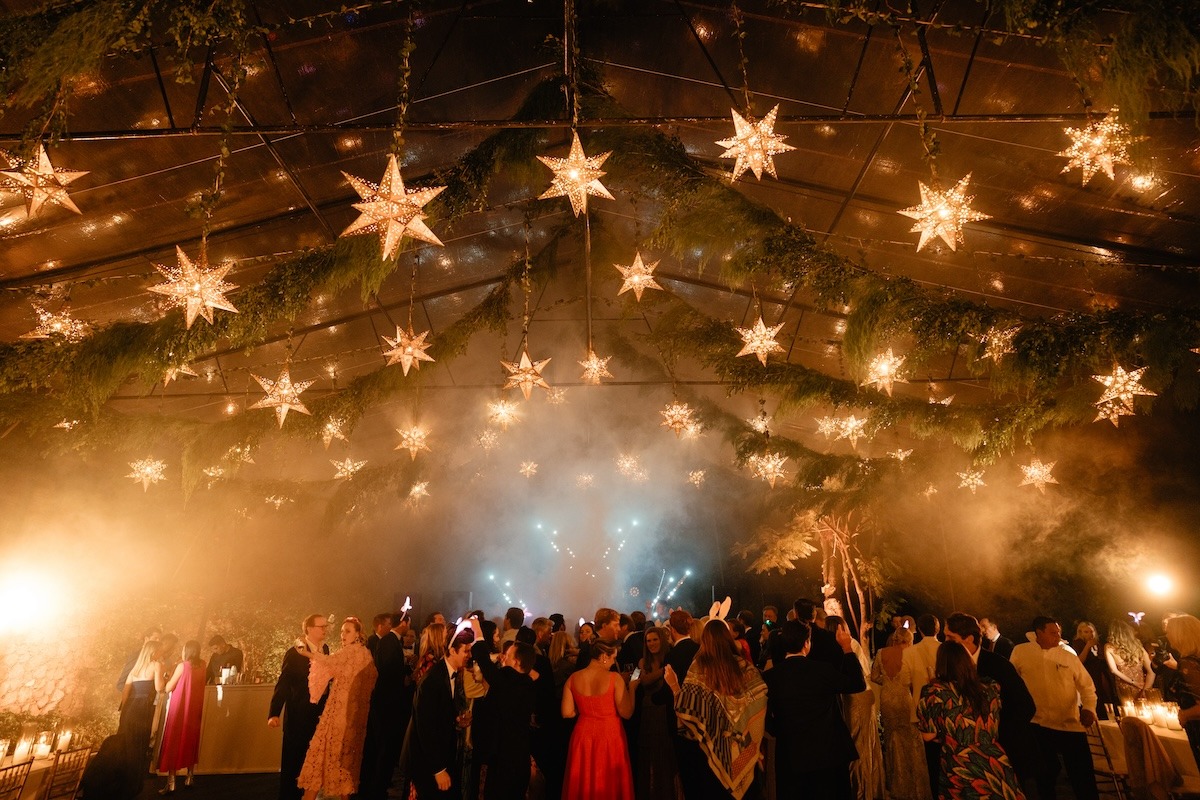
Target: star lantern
{"x":594,"y":368}
{"x":944,"y":401}
{"x":40,"y":182}
{"x":503,"y":413}
{"x":278,"y":501}
{"x":334,"y":428}
{"x":971,"y":479}
{"x":391,"y":211}
{"x":1038,"y":474}
{"x":576,"y":176}
{"x":1122,"y":386}
{"x":1112,"y":410}
{"x":852,"y":428}
{"x":525,"y":374}
{"x":347,"y":468}
{"x":754,"y":144}
{"x":884,"y":371}
{"x":61,"y":325}
{"x":760,"y":340}
{"x":677,"y":416}
{"x":487,"y":440}
{"x":770,"y":467}
{"x":998,"y":342}
{"x":1098,"y":147}
{"x":68,"y":424}
{"x":828,"y":426}
{"x":929,"y":491}
{"x":413,"y":440}
{"x":195,"y":288}
{"x":418,"y":492}
{"x":172,"y":373}
{"x":638,"y":277}
{"x":900,"y":455}
{"x":147,"y":471}
{"x":282,"y":394}
{"x":942,"y":214}
{"x":528,"y":469}
{"x":760,"y":424}
{"x":407,"y":349}
{"x":556,"y":396}
{"x":696,"y":478}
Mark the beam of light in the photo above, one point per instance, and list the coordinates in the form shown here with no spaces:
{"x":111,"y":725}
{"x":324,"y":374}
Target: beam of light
{"x":1159,"y":585}
{"x":30,"y":600}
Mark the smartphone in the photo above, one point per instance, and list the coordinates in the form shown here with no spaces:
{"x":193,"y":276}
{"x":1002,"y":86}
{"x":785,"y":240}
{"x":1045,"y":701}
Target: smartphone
{"x":637,"y":673}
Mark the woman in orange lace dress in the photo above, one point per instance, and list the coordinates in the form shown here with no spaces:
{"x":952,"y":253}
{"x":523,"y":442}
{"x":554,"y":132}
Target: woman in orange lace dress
{"x":335,"y":752}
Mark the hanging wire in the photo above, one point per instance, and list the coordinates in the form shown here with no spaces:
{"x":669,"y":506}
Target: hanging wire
{"x":526,"y":289}
{"x":739,"y":35}
{"x":403,"y":96}
{"x":412,"y":289}
{"x":929,"y":140}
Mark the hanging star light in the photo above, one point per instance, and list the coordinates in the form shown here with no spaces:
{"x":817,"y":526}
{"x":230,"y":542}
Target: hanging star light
{"x":239,"y":454}
{"x":770,"y":467}
{"x":998,"y":342}
{"x":556,"y":396}
{"x":760,"y":340}
{"x":528,"y":469}
{"x":576,"y":176}
{"x":172,"y":373}
{"x":278,"y":501}
{"x":852,"y":428}
{"x":693,"y":429}
{"x":40,"y":182}
{"x":595,"y":368}
{"x":347,"y":467}
{"x":390,"y":210}
{"x":584,"y":480}
{"x":942,"y":214}
{"x":971,"y":479}
{"x":67,"y":424}
{"x":629,"y":465}
{"x":503,"y":413}
{"x":829,"y":426}
{"x":929,"y":491}
{"x":884,"y":371}
{"x":413,"y":440}
{"x":525,"y":374}
{"x":696,"y":478}
{"x":334,"y":428}
{"x":677,"y":416}
{"x":945,"y":401}
{"x":487,"y":440}
{"x":900,"y":455}
{"x":282,"y":394}
{"x":214,"y":474}
{"x":60,"y":325}
{"x":147,"y":471}
{"x":638,"y":277}
{"x":195,"y":288}
{"x":1112,"y":410}
{"x":418,"y":492}
{"x":1121,"y":386}
{"x":1038,"y":474}
{"x":407,"y":349}
{"x":760,"y":424}
{"x":1098,"y":147}
{"x":754,"y":144}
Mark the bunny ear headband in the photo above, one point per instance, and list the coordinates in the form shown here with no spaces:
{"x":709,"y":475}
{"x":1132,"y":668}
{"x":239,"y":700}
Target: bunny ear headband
{"x":720,"y":610}
{"x":459,"y":626}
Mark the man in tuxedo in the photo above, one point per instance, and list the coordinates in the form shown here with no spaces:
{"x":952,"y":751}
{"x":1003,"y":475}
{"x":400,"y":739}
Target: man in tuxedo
{"x":814,"y":748}
{"x":1016,"y":704}
{"x":823,"y":645}
{"x":608,"y":628}
{"x":291,"y":701}
{"x":390,"y":709}
{"x":917,"y":665}
{"x":688,"y":755}
{"x":502,"y":749}
{"x":633,"y":641}
{"x":430,"y":754}
{"x":993,"y":640}
{"x":382,"y":624}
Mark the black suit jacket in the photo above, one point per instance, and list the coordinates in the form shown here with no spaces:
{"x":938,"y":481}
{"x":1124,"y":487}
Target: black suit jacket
{"x":631,"y":650}
{"x":1016,"y":708}
{"x":513,"y":698}
{"x":824,"y":646}
{"x":804,"y":715}
{"x":389,"y":693}
{"x":1003,"y":646}
{"x":679,"y":659}
{"x":431,"y":743}
{"x":291,"y":694}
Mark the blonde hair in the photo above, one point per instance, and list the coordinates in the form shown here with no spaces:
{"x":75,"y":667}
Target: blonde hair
{"x":144,"y":660}
{"x":1183,"y":632}
{"x":560,"y":646}
{"x":433,"y":641}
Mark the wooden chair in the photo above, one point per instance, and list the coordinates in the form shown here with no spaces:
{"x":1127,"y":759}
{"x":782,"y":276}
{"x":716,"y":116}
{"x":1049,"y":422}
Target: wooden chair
{"x":1112,"y":776}
{"x":65,"y":773}
{"x":12,"y":780}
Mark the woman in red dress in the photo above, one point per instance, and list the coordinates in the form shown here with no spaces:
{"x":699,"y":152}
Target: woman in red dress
{"x":598,"y":760}
{"x":181,"y":732}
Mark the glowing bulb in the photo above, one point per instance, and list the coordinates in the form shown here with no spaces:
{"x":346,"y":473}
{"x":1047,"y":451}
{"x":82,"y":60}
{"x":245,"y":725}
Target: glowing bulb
{"x":1159,"y":584}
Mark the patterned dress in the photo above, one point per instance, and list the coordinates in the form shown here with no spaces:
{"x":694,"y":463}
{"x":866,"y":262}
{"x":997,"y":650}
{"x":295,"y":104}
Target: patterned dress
{"x":335,"y":753}
{"x":974,"y":765}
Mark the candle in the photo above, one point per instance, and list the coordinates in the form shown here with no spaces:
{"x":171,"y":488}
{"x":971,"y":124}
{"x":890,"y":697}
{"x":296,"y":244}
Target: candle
{"x":23,"y":751}
{"x":4,"y":743}
{"x":64,"y":741}
{"x":42,"y":748}
{"x":1158,"y":714}
{"x":1173,"y":717}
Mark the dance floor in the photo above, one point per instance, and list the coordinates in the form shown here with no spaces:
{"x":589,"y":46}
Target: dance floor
{"x":218,"y":787}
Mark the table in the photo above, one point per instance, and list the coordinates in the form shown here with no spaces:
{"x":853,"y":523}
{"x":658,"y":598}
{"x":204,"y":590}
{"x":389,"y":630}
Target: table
{"x":1174,"y":742}
{"x":37,"y":776}
{"x":234,"y":736}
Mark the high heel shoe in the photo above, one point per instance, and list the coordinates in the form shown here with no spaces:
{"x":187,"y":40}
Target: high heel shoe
{"x":187,"y":782}
{"x":169,"y":788}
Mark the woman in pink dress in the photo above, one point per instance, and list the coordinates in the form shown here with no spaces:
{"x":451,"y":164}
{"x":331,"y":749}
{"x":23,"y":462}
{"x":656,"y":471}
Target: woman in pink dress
{"x":598,"y":759}
{"x":181,"y":731}
{"x":335,"y":753}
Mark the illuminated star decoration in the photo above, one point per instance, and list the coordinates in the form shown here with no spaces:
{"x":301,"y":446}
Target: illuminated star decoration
{"x":677,"y":416}
{"x":696,"y":478}
{"x":760,"y":340}
{"x":556,"y":396}
{"x":503,"y":413}
{"x":884,"y":371}
{"x":971,"y":480}
{"x":239,"y":454}
{"x":282,"y":394}
{"x":945,"y":401}
{"x":67,"y":424}
{"x":213,"y":474}
{"x":407,"y":349}
{"x":40,"y":182}
{"x":1121,"y":386}
{"x":760,"y":424}
{"x":146,"y":471}
{"x":418,"y":492}
{"x":195,"y":288}
{"x":52,"y":325}
{"x":487,"y":440}
{"x":174,"y":372}
{"x":769,"y":467}
{"x":1038,"y":474}
{"x":852,"y":428}
{"x":942,"y":214}
{"x":900,"y":455}
{"x":828,"y":426}
{"x":278,"y":501}
{"x":754,"y":144}
{"x":347,"y":467}
{"x":576,"y":176}
{"x":1112,"y":410}
{"x":391,"y":210}
{"x":334,"y":428}
{"x":413,"y":440}
{"x":528,"y":469}
{"x":631,"y":467}
{"x":1098,"y":147}
{"x":594,"y":368}
{"x":929,"y":491}
{"x":638,"y":277}
{"x":998,"y":342}
{"x":525,"y":374}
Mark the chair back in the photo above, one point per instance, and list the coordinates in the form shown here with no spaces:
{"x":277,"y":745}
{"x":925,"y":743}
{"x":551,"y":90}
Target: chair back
{"x":12,"y":780}
{"x":1150,"y":769}
{"x":1111,"y":774}
{"x":63,"y":781}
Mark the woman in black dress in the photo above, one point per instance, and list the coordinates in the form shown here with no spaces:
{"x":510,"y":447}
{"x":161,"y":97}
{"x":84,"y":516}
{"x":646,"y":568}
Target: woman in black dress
{"x":142,"y":686}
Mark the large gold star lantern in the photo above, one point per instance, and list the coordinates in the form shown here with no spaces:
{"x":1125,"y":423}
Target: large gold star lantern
{"x":282,"y":394}
{"x":525,"y":374}
{"x":60,"y":325}
{"x":347,"y":468}
{"x":971,"y":479}
{"x":1037,"y":474}
{"x":414,"y":440}
{"x":576,"y":176}
{"x":147,"y":471}
{"x":40,"y":182}
{"x":769,"y":467}
{"x":754,"y":144}
{"x":1098,"y":147}
{"x":760,"y":340}
{"x":1120,"y":387}
{"x":594,"y":368}
{"x":677,"y":416}
{"x":884,"y":371}
{"x":638,"y":277}
{"x":407,"y":349}
{"x":942,"y":214}
{"x":196,"y":288}
{"x":503,"y":414}
{"x":390,"y":210}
